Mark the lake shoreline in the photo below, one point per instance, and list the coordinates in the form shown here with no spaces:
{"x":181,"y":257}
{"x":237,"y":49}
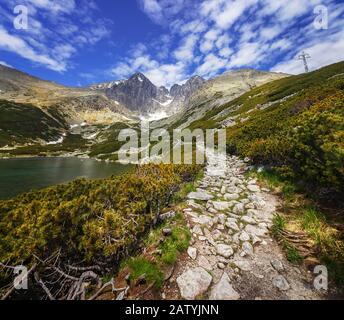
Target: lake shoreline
{"x":24,"y":174}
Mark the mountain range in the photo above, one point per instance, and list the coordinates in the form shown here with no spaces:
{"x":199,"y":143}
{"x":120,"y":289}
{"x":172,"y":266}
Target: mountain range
{"x":55,"y":108}
{"x":140,"y":95}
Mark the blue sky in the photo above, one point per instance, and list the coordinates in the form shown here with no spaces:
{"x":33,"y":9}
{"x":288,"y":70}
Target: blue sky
{"x":79,"y":42}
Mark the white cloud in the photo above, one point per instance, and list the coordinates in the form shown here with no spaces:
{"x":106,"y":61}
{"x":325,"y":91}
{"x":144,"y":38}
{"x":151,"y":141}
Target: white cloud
{"x":285,"y":11}
{"x":65,"y":6}
{"x":19,"y":46}
{"x":248,"y":53}
{"x":282,"y":44}
{"x":186,"y":51}
{"x":5,"y":64}
{"x":195,"y":26}
{"x":218,"y":35}
{"x":57,"y":30}
{"x":211,"y":65}
{"x":161,"y":11}
{"x":322,"y":53}
{"x":160,"y":74}
{"x":225,"y":52}
{"x":224,"y":13}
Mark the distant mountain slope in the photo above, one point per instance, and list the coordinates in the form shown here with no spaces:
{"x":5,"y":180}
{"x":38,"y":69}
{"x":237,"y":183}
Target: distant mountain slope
{"x":295,"y":124}
{"x":76,"y":104}
{"x":217,"y":91}
{"x":24,"y":123}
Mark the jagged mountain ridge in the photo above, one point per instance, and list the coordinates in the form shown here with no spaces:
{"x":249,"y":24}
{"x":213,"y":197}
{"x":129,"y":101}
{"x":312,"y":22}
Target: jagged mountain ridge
{"x":122,"y":101}
{"x":140,"y":95}
{"x":218,"y":91}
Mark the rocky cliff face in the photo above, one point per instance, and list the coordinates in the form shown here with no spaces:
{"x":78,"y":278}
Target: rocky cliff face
{"x":140,"y":95}
{"x":182,"y":93}
{"x":216,"y":92}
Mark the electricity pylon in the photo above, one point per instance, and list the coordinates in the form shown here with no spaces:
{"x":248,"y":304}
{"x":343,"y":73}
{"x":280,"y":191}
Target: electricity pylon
{"x":304,"y":56}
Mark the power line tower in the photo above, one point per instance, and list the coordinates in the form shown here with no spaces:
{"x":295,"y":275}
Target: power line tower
{"x":304,"y":56}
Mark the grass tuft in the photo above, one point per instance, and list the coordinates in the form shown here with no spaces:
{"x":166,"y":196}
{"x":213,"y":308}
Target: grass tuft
{"x":140,"y":266}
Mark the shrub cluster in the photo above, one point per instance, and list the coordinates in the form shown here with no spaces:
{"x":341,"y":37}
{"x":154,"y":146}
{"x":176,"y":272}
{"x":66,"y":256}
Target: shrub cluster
{"x":90,"y":222}
{"x":303,"y":135}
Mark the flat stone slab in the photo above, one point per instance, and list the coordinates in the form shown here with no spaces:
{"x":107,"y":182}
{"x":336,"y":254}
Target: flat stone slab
{"x":223,"y":290}
{"x":200,"y":195}
{"x":256,"y":231}
{"x":204,"y":263}
{"x":253,"y":188}
{"x":243,"y":265}
{"x":221,"y":205}
{"x":193,"y":283}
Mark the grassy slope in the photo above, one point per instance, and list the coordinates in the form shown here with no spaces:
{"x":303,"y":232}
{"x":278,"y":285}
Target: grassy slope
{"x":22,"y":123}
{"x":295,"y":127}
{"x":296,"y":124}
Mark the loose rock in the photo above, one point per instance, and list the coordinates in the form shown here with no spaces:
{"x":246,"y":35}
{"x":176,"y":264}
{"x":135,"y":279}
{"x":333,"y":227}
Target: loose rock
{"x":281,"y":283}
{"x":193,"y":283}
{"x":223,"y":290}
{"x":224,"y":250}
{"x":192,"y":252}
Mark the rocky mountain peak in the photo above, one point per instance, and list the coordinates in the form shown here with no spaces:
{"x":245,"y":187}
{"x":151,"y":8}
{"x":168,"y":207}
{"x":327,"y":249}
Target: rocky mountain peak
{"x":139,"y":94}
{"x":139,"y":77}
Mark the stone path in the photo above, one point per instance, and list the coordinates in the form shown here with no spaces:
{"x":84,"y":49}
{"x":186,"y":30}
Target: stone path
{"x":232,"y":255}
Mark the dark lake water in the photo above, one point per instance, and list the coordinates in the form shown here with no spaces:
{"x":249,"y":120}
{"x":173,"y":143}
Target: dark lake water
{"x":22,"y":175}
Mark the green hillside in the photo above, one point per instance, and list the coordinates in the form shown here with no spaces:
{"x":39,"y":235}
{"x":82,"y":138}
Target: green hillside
{"x":294,"y":124}
{"x":24,"y":123}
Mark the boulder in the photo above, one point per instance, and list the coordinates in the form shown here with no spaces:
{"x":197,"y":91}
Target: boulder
{"x":243,"y":265}
{"x":244,"y":236}
{"x":193,"y":283}
{"x":197,"y":230}
{"x":204,"y":263}
{"x":231,"y":196}
{"x":248,"y":220}
{"x":239,"y":208}
{"x":166,"y":216}
{"x":247,"y":248}
{"x":224,"y":250}
{"x":255,"y":231}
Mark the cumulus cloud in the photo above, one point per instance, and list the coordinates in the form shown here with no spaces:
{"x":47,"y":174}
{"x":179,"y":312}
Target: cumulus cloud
{"x":161,"y":11}
{"x":186,"y":51}
{"x":16,"y":44}
{"x":323,"y":53}
{"x":220,"y":35}
{"x":211,"y":65}
{"x":161,"y":74}
{"x":5,"y":64}
{"x":56,"y":31}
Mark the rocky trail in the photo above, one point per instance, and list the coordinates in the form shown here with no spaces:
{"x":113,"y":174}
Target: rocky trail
{"x":232,"y":255}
